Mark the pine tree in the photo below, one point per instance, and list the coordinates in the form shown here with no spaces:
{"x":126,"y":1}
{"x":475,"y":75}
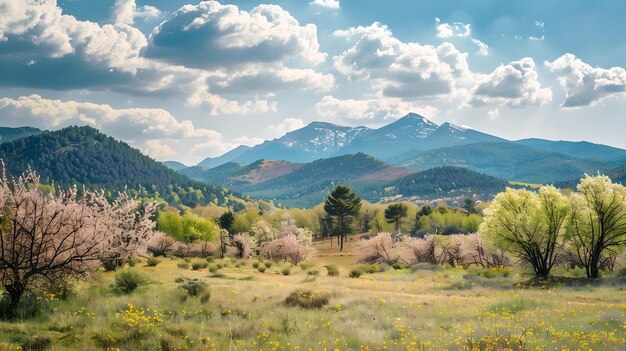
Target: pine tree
{"x":342,"y":205}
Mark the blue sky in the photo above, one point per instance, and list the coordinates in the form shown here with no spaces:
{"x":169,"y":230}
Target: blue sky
{"x":186,"y":80}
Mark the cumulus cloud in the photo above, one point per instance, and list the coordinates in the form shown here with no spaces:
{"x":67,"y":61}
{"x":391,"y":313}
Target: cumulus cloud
{"x":585,"y":85}
{"x":272,"y":79}
{"x":286,"y":126}
{"x":403,"y":70}
{"x":211,"y":34}
{"x":377,"y":109}
{"x":125,"y":124}
{"x":329,"y":4}
{"x":125,"y":12}
{"x":483,"y":49}
{"x":456,"y":29}
{"x":515,"y":85}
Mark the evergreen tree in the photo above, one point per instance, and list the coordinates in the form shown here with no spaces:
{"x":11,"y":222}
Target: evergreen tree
{"x":342,"y":205}
{"x":395,"y":213}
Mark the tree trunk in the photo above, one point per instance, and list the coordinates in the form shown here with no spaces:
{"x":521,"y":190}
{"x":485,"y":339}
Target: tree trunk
{"x":15,"y":292}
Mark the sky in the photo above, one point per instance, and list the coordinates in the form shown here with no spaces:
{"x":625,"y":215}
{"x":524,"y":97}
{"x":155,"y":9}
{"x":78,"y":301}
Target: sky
{"x":184,"y":80}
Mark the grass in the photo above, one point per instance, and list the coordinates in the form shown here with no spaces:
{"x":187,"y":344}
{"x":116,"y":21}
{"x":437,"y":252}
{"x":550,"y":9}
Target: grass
{"x":408,"y":309}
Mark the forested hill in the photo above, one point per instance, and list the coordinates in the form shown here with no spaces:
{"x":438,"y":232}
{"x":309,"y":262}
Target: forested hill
{"x":84,"y":156}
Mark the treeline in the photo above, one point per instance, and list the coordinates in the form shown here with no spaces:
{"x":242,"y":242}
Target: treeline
{"x":84,"y":156}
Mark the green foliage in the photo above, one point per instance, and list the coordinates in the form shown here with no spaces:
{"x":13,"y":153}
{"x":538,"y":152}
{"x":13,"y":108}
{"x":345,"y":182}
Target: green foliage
{"x":369,"y":268}
{"x":183,"y":265}
{"x":129,"y":280}
{"x":308,"y":299}
{"x":194,"y":287}
{"x":286,"y":271}
{"x":226,"y":221}
{"x":394,"y":213}
{"x":152,"y":261}
{"x":355,"y":273}
{"x":187,"y":228}
{"x":199,"y":265}
{"x":528,"y":225}
{"x":82,"y":155}
{"x":342,"y":205}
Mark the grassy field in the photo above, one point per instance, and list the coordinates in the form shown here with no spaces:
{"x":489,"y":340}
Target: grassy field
{"x":424,"y":308}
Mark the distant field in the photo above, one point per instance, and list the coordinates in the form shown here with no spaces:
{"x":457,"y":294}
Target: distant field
{"x":427,"y":308}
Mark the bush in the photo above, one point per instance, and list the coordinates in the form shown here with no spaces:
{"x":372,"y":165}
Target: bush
{"x":268,"y":264}
{"x":255,"y":265}
{"x":199,"y":265}
{"x":262,"y":268}
{"x":308,"y":299}
{"x":161,"y":245}
{"x":369,"y":268}
{"x":213,"y":268}
{"x":287,"y":248}
{"x":152,"y":262}
{"x":183,"y":265}
{"x":333,"y":271}
{"x":194,"y":287}
{"x":305,"y":265}
{"x":313,"y":272}
{"x":37,"y":343}
{"x":128,"y":280}
{"x":355,"y":273}
{"x":286,"y":271}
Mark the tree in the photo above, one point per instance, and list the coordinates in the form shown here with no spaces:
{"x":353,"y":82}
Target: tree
{"x":598,"y":221}
{"x":395,"y":213}
{"x":529,"y":225}
{"x":342,"y":205}
{"x":469,"y":205}
{"x":226,"y":221}
{"x":47,"y":238}
{"x":423,"y":212}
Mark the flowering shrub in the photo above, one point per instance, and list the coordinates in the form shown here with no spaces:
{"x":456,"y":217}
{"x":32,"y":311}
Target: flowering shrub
{"x":137,"y":321}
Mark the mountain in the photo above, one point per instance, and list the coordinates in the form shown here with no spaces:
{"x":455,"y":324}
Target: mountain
{"x":579,"y":149}
{"x":10,"y":134}
{"x":509,"y":161}
{"x":231,"y":155}
{"x":175,"y":165}
{"x":314,"y":141}
{"x":84,"y":156}
{"x":448,"y":182}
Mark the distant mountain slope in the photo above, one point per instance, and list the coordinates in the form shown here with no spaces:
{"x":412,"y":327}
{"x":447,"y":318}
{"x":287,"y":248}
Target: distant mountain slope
{"x":579,"y":149}
{"x":314,"y":141}
{"x":509,"y":161}
{"x":211,"y":162}
{"x":84,"y":156}
{"x":174,"y":165}
{"x":446,"y":181}
{"x":10,"y":134}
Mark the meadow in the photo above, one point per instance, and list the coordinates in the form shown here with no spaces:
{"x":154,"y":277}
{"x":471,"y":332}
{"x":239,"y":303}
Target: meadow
{"x":423,"y":307}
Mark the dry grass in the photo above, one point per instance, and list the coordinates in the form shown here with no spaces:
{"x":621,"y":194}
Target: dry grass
{"x":428,"y":308}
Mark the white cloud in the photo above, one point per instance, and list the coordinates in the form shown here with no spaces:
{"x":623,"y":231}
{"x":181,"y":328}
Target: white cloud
{"x":399,"y":69}
{"x":210,"y":35}
{"x":585,"y":85}
{"x":158,"y":149}
{"x":539,"y":23}
{"x":286,"y":126}
{"x":126,"y":124}
{"x":377,"y":109}
{"x":515,"y":85}
{"x":125,"y":12}
{"x":483,"y":49}
{"x":535,"y":38}
{"x":329,"y":4}
{"x":493,"y":113}
{"x":456,"y":29}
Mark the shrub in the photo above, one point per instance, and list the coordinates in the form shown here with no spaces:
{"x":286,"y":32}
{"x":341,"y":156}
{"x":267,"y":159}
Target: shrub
{"x":308,"y":299}
{"x":268,"y":264}
{"x":305,"y":266}
{"x":199,"y":265}
{"x":37,"y":343}
{"x":333,"y":271}
{"x":129,"y":280}
{"x":379,"y":249}
{"x":161,"y":245}
{"x":205,"y":297}
{"x":152,"y":261}
{"x":255,"y":265}
{"x":183,"y":265}
{"x":369,"y":268}
{"x":194,"y":287}
{"x":313,"y":272}
{"x":262,"y":268}
{"x":286,"y":271}
{"x":213,"y":268}
{"x":243,"y":246}
{"x":288,"y":248}
{"x":355,"y":273}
